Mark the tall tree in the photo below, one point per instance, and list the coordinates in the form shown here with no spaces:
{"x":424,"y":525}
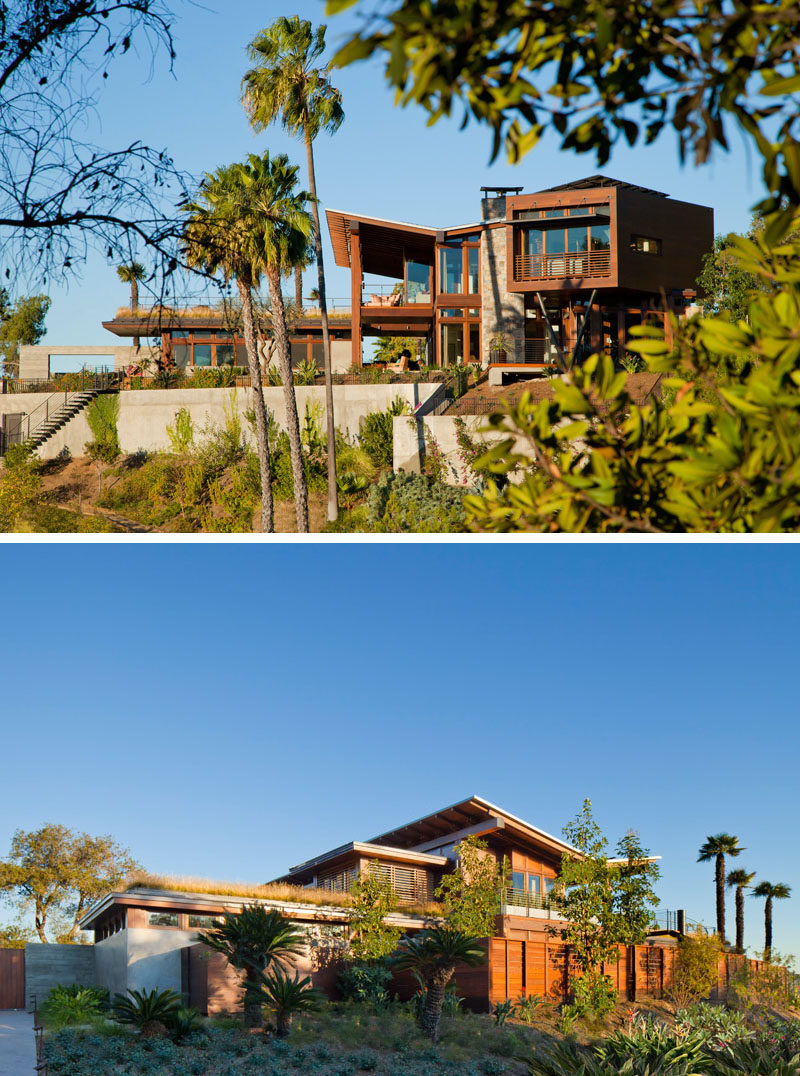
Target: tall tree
{"x":740,"y":879}
{"x":59,"y":194}
{"x":247,"y":222}
{"x":21,"y":323}
{"x":286,"y":85}
{"x":255,"y":940}
{"x":131,"y":273}
{"x":471,"y":894}
{"x":53,"y":871}
{"x":716,"y":848}
{"x":778,"y":891}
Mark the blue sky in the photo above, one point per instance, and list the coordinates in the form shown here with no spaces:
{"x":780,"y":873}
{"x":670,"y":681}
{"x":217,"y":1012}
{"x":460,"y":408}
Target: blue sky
{"x":383,"y":161}
{"x":185,"y":700}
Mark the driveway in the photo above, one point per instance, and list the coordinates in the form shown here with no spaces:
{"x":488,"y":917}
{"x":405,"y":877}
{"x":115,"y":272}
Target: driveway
{"x":17,"y":1049}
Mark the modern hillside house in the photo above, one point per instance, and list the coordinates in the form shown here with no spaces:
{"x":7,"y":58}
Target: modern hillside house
{"x":567,"y":269}
{"x":147,"y":937}
{"x":563,"y":271}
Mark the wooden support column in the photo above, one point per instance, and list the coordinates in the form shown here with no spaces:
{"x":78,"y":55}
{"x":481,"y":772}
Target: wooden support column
{"x":596,"y":328}
{"x":621,"y":340}
{"x":356,"y":278}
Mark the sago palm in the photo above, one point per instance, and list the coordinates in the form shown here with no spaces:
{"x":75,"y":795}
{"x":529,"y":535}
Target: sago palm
{"x":247,"y":222}
{"x":716,"y":848}
{"x":740,"y":879}
{"x":253,"y":941}
{"x":287,"y":996}
{"x":286,"y":86}
{"x":433,"y":955}
{"x":778,"y":891}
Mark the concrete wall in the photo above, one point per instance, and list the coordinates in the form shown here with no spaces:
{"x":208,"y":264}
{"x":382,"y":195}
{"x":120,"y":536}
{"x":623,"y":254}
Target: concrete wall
{"x":111,"y":962}
{"x":154,"y":957}
{"x":52,"y":965}
{"x":409,"y":437}
{"x":36,"y":360}
{"x":145,"y":414}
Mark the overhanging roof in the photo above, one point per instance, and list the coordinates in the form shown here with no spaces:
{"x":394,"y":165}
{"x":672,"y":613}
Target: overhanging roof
{"x":367,"y":848}
{"x":468,"y":812}
{"x":383,"y":242}
{"x":592,"y":182}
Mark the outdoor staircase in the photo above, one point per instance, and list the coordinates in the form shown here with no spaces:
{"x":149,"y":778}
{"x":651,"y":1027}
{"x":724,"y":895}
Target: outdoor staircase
{"x":54,"y":420}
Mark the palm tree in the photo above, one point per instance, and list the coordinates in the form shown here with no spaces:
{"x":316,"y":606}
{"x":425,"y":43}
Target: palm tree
{"x":779,"y":891}
{"x":254,"y":940}
{"x":131,"y":274}
{"x":433,"y":955}
{"x":716,"y":848}
{"x":248,"y":222}
{"x":741,"y":879}
{"x":286,"y":85}
{"x":287,"y":996}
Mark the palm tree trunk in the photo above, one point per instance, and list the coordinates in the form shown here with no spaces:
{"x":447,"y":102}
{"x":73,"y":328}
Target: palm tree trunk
{"x":253,"y":1017}
{"x":135,"y":303}
{"x":333,"y":497}
{"x":739,"y":919}
{"x":290,"y":402}
{"x":298,"y":287}
{"x":720,"y":868}
{"x":432,"y":1007}
{"x":768,"y":929}
{"x":262,"y":430}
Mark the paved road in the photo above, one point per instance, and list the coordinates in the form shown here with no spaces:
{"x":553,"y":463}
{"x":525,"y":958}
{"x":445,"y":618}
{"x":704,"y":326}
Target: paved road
{"x":17,"y":1049}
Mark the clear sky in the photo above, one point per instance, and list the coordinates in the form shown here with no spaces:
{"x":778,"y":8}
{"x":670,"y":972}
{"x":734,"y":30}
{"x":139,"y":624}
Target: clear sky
{"x":383,"y":161}
{"x":228,"y":711}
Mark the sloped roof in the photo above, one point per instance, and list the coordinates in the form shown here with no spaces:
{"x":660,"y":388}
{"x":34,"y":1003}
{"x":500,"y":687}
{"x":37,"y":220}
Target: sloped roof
{"x":590,"y":182}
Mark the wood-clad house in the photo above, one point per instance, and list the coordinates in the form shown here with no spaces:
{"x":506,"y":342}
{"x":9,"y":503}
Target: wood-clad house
{"x":146,"y":937}
{"x":570,"y":268}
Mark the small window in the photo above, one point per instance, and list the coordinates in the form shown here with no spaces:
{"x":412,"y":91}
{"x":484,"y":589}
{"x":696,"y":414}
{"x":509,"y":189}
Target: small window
{"x":203,"y":922}
{"x":554,"y":212}
{"x":451,"y":312}
{"x":162,"y":919}
{"x":518,"y":880}
{"x":579,"y":211}
{"x":474,"y":313}
{"x":643,"y":244}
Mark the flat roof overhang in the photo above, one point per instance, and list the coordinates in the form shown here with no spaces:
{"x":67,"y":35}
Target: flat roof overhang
{"x":384,"y":243}
{"x":346,"y":852}
{"x":216,"y":904}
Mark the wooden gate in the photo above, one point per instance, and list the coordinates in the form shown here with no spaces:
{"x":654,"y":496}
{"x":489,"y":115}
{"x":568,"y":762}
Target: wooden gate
{"x":12,"y":978}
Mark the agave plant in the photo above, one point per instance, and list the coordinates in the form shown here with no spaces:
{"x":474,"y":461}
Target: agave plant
{"x":151,"y":1011}
{"x":287,"y":996}
{"x":653,"y":1043}
{"x":306,"y":372}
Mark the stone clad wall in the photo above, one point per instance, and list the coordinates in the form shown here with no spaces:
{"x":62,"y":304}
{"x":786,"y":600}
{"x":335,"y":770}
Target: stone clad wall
{"x":502,"y":311}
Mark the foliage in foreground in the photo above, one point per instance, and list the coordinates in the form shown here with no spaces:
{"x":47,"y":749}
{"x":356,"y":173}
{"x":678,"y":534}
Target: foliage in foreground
{"x":405,"y":502}
{"x":68,"y":1006}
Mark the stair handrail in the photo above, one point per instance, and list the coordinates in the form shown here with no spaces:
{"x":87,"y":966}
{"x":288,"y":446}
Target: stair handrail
{"x":96,"y":382}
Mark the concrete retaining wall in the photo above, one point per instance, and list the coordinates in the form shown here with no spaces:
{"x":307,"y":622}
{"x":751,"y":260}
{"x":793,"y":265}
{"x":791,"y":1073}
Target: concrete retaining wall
{"x":145,"y":414}
{"x":410,"y":435}
{"x":111,"y":962}
{"x":154,"y":957}
{"x":52,"y":965}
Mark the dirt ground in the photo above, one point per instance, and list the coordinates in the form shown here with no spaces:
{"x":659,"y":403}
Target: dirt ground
{"x":76,"y":485}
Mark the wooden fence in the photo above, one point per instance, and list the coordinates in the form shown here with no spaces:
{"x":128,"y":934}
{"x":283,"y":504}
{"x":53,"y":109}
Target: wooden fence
{"x":12,"y":978}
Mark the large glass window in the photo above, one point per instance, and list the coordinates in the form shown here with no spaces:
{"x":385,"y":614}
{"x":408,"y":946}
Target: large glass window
{"x":419,"y":283}
{"x":225,"y":354}
{"x":534,"y":885}
{"x":534,"y":242}
{"x":600,"y":237}
{"x":474,"y":343}
{"x":452,"y":344}
{"x":202,"y":354}
{"x":554,"y":241}
{"x":576,"y":239}
{"x":473,"y":270}
{"x":451,"y":270}
{"x":518,"y":880}
{"x":182,"y":354}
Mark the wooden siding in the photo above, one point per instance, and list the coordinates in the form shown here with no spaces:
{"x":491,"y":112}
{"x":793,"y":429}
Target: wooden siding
{"x":12,"y":978}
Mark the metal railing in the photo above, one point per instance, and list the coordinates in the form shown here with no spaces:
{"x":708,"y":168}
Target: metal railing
{"x":395,"y":294}
{"x":671,"y":920}
{"x":548,"y":266}
{"x":80,"y":381}
{"x":42,"y":1066}
{"x":523,"y":902}
{"x":174,"y":308}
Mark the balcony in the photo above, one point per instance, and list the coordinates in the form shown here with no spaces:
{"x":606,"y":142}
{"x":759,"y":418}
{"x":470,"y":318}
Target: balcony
{"x":585,"y":263}
{"x":521,"y":902}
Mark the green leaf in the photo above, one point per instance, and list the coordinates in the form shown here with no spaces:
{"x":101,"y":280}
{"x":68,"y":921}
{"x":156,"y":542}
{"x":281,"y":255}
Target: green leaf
{"x":781,"y":86}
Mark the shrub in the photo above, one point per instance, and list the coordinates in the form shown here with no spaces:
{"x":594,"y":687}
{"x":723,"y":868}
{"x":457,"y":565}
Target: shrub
{"x":376,"y":434}
{"x":695,"y":974}
{"x":502,"y":1011}
{"x":181,"y":434}
{"x":365,"y":981}
{"x":653,"y":1043}
{"x":20,"y":484}
{"x":306,"y":372}
{"x":416,"y":503}
{"x":594,"y":995}
{"x":102,"y":414}
{"x":67,"y":1006}
{"x":151,"y":1011}
{"x":527,"y":1007}
{"x":718,"y":1025}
